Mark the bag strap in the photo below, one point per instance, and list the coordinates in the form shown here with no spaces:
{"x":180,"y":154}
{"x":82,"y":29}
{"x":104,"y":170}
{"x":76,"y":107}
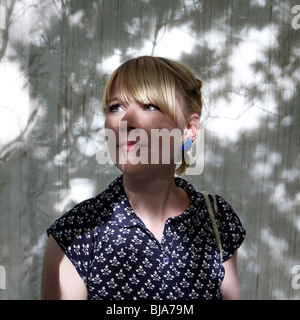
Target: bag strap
{"x":213,"y":220}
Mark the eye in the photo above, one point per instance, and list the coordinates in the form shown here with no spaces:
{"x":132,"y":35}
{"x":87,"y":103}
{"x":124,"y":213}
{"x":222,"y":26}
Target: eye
{"x":151,"y":107}
{"x":114,"y":108}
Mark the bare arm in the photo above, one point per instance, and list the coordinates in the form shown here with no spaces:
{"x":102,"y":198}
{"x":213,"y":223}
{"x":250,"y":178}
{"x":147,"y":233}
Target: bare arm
{"x":60,"y":279}
{"x":230,"y":287}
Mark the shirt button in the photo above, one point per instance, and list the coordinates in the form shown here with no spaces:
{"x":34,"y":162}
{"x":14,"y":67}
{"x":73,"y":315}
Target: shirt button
{"x":166,"y":260}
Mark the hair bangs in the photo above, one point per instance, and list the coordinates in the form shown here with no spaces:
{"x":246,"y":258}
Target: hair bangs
{"x":147,"y":82}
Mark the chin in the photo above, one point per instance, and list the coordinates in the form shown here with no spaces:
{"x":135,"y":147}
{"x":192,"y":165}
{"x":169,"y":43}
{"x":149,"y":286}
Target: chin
{"x":132,"y":169}
{"x":146,"y":171}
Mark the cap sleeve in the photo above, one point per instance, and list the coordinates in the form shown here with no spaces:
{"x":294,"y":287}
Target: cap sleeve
{"x":231,"y":230}
{"x":72,"y":232}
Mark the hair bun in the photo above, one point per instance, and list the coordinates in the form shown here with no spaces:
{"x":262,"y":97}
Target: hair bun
{"x":199,"y":84}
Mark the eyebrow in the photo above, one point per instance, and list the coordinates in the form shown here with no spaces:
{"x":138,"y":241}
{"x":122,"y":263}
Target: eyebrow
{"x":114,"y":100}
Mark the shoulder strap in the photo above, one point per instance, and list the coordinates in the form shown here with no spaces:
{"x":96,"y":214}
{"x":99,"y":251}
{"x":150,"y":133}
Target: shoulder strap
{"x":213,"y":220}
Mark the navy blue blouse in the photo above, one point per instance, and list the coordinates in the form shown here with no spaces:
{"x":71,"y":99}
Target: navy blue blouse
{"x":119,"y":258}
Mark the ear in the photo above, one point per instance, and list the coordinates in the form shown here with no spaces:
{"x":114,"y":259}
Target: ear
{"x":193,"y":126}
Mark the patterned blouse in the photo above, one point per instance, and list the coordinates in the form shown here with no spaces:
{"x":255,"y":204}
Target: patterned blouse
{"x":119,"y":258}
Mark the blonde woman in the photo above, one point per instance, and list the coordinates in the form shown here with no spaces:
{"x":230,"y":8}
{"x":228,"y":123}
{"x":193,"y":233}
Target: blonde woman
{"x":149,"y":235}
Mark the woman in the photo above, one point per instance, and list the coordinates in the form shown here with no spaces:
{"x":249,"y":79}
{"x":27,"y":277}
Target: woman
{"x":148,"y":235}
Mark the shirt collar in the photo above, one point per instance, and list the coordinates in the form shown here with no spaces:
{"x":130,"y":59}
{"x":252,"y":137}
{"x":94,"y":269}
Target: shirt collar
{"x":123,"y":214}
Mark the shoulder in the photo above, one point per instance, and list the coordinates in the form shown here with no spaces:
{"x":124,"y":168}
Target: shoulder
{"x":231,"y":229}
{"x":85,"y":217}
{"x":226,"y":214}
{"x":229,"y":225}
{"x":75,"y":232}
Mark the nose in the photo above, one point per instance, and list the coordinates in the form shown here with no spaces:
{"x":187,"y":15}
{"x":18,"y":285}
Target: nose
{"x":130,"y":119}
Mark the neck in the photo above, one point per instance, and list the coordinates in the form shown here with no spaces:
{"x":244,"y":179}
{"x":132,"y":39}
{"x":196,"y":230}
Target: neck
{"x":158,"y":188}
{"x":155,"y":197}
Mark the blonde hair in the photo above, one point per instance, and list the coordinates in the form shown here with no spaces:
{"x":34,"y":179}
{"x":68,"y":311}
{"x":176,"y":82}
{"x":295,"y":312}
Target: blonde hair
{"x":158,"y":81}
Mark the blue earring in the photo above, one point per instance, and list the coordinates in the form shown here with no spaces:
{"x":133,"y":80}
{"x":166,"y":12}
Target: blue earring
{"x":187,"y":146}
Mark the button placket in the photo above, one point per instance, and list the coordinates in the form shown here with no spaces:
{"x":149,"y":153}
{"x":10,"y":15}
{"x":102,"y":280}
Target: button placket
{"x":166,"y":253}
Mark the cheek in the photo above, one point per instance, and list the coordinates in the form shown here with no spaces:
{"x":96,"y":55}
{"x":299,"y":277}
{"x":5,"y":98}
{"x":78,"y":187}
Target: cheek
{"x":112,"y":136}
{"x":110,"y":123}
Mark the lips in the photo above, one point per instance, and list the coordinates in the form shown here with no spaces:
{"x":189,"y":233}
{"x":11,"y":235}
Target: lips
{"x":127,"y":145}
